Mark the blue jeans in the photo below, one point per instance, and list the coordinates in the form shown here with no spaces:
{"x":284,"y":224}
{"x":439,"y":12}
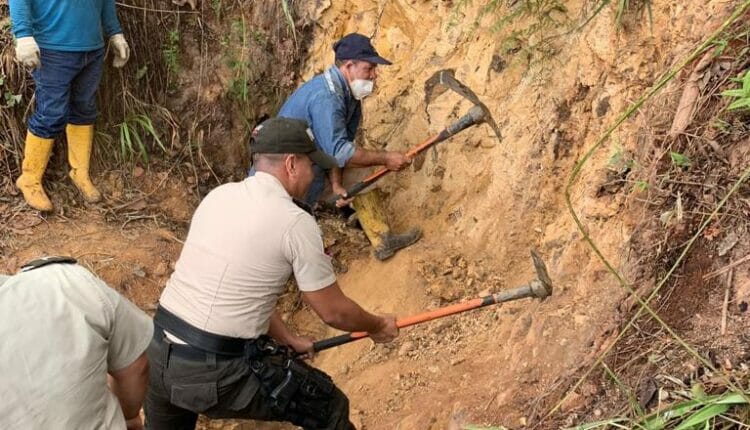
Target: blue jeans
{"x":66,"y":85}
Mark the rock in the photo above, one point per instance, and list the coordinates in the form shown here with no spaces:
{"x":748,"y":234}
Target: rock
{"x":161,"y":269}
{"x":442,"y":291}
{"x":572,"y":402}
{"x":405,"y":348}
{"x":139,"y":272}
{"x":355,"y":416}
{"x":138,"y":172}
{"x":728,"y":243}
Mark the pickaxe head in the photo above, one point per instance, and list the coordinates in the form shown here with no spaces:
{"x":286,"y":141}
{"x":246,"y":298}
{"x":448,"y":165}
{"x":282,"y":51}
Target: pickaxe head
{"x":542,"y":285}
{"x":443,"y":80}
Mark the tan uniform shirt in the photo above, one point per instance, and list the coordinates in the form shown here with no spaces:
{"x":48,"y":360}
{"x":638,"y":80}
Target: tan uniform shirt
{"x":61,"y":331}
{"x":245,"y":240}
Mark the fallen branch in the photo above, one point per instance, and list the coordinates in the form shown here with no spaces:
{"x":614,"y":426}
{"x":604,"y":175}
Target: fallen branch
{"x":725,"y":306}
{"x":727,"y":267}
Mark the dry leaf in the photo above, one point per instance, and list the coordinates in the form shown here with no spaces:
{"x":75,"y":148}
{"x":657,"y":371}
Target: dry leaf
{"x":686,"y":108}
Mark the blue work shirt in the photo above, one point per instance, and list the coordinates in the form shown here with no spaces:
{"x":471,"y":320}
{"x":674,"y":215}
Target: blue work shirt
{"x":326,"y":103}
{"x":65,"y":25}
{"x":333,"y":114}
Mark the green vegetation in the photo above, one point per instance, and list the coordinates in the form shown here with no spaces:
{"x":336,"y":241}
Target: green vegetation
{"x":741,"y":95}
{"x":216,"y":6}
{"x":289,"y":19}
{"x":171,"y":55}
{"x":532,"y":26}
{"x":624,"y":6}
{"x":131,"y":143}
{"x":679,"y":160}
{"x":699,"y":411}
{"x":9,"y":98}
{"x":239,"y":65}
{"x":622,"y":9}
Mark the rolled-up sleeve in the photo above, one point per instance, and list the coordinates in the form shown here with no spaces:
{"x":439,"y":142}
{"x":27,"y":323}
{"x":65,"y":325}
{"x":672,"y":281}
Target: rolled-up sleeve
{"x":304,"y":249}
{"x":328,"y":118}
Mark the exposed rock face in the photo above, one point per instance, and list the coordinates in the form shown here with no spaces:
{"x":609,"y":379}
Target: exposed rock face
{"x":492,"y":200}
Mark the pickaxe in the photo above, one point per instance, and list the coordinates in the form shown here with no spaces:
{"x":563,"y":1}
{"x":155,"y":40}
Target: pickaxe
{"x":437,"y":84}
{"x":539,"y":288}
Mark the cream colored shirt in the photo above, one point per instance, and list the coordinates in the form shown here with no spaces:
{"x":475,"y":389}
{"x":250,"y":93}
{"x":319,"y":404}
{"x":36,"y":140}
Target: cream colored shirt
{"x":245,"y":240}
{"x":61,"y":331}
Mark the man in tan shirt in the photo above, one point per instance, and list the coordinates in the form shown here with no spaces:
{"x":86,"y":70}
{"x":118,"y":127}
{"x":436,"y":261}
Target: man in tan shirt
{"x":220,"y":347}
{"x":63,"y":334}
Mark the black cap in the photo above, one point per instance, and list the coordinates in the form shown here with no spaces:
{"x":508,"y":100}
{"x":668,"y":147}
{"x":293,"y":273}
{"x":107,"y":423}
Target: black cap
{"x":355,"y":46}
{"x":288,"y":136}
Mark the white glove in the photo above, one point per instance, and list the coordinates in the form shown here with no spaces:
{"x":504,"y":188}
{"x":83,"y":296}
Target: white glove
{"x":27,"y":52}
{"x":121,"y":50}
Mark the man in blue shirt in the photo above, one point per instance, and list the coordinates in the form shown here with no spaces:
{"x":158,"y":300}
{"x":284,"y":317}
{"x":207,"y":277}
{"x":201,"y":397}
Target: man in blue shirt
{"x":62,"y":42}
{"x":331,"y":105}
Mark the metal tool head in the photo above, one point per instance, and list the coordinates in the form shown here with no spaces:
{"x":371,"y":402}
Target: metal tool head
{"x":542,"y":285}
{"x":443,"y":80}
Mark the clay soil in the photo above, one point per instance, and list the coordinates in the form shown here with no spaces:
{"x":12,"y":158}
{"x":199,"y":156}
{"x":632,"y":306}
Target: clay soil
{"x":482,"y":203}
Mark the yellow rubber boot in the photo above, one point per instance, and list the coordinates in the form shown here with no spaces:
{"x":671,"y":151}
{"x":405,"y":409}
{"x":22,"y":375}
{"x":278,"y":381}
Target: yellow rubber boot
{"x":35,"y":158}
{"x":369,"y":207}
{"x":80,"y":140}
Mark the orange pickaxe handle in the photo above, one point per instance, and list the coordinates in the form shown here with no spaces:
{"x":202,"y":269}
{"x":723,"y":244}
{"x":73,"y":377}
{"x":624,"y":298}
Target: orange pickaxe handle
{"x":475,"y":116}
{"x":534,"y":289}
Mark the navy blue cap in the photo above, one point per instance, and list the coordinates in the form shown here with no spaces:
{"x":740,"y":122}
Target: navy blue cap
{"x":355,"y":46}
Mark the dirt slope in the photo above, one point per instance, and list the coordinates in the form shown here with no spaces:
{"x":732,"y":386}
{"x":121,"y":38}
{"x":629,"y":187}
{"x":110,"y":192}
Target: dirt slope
{"x":491,"y":201}
{"x":482,"y":202}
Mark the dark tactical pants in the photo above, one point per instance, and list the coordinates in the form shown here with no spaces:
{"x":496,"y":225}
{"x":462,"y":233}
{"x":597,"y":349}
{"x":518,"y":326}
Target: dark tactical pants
{"x":185,"y":382}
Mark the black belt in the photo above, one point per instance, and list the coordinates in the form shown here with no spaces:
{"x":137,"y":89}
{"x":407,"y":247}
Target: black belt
{"x":187,"y":351}
{"x":203,"y":340}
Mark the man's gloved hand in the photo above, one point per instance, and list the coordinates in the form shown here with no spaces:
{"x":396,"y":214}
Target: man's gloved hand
{"x":121,"y":50}
{"x":27,"y":52}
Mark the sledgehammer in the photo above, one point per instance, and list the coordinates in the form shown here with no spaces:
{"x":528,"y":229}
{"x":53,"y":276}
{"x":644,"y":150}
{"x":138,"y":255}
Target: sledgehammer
{"x":475,"y":115}
{"x":539,"y":288}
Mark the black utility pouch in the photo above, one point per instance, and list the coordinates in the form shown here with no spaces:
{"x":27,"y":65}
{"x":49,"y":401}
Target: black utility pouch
{"x":273,"y":378}
{"x":285,"y":380}
{"x":313,"y":382}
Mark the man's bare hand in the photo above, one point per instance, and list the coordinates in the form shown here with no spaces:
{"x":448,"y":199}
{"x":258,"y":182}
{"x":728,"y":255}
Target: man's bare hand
{"x":304,"y":346}
{"x":135,"y":423}
{"x":339,"y":190}
{"x":395,"y":160}
{"x":387,"y":332}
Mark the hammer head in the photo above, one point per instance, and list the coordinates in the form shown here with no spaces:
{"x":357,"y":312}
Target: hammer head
{"x":542,"y":285}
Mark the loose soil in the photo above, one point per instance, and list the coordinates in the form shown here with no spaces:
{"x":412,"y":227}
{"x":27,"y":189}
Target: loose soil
{"x":482,"y":203}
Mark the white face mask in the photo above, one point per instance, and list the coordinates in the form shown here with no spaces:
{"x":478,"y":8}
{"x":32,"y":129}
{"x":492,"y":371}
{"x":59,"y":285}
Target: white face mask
{"x":361,"y":88}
